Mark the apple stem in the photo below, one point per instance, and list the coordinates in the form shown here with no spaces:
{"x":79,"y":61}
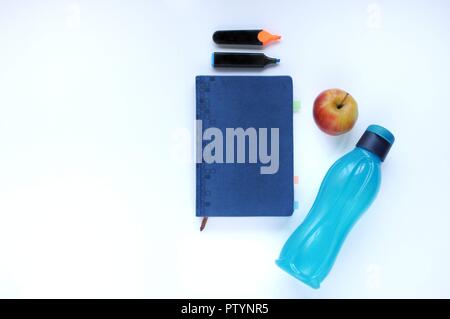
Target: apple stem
{"x":340,"y":105}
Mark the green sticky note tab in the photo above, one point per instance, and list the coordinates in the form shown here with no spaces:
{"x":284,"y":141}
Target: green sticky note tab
{"x":296,"y":106}
{"x":295,"y":205}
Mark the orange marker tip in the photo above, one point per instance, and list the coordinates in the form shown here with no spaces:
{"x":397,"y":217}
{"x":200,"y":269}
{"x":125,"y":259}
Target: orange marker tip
{"x":266,"y":37}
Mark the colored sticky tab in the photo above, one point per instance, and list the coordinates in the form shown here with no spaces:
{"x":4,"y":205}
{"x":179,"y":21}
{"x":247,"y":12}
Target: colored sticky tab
{"x":295,"y":205}
{"x":296,"y":106}
{"x":295,"y":180}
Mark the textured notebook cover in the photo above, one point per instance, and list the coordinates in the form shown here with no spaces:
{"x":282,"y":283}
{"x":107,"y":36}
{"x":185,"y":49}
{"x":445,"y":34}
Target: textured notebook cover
{"x":239,"y":189}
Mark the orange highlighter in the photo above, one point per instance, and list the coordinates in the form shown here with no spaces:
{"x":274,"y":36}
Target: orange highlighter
{"x":244,"y":37}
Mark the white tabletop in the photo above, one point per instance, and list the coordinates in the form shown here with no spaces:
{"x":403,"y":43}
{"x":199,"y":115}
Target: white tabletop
{"x":97,"y":186}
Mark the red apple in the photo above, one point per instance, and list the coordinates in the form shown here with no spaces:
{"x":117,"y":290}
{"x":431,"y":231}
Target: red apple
{"x":335,"y":111}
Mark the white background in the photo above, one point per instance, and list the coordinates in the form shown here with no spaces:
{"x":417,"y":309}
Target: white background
{"x":97,"y":195}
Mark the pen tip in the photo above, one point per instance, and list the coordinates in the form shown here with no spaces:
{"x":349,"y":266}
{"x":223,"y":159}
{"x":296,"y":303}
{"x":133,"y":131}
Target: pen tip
{"x":277,"y":60}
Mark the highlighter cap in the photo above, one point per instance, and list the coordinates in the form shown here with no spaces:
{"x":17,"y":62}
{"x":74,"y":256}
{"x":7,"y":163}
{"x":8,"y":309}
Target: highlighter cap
{"x":378,"y":140}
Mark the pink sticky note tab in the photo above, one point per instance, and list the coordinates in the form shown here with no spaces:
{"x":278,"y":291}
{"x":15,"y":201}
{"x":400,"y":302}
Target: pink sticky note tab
{"x":295,"y":180}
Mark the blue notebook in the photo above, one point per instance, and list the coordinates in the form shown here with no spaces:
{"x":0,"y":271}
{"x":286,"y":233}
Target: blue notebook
{"x":244,"y":146}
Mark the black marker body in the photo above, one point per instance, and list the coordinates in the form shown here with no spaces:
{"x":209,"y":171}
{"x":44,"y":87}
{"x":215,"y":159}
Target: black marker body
{"x":241,"y":60}
{"x":237,"y":37}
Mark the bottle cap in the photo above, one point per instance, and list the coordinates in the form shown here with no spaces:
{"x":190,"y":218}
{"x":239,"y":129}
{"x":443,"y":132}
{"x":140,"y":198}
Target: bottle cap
{"x":377,"y":140}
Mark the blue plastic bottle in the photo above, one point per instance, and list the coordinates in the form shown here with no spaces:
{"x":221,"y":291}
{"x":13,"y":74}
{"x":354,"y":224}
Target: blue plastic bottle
{"x":348,"y":189}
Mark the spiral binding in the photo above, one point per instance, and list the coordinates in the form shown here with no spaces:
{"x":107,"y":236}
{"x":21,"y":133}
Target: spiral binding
{"x":203,"y":174}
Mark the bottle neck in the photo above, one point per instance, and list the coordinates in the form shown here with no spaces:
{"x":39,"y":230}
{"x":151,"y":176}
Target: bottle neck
{"x":367,"y":153}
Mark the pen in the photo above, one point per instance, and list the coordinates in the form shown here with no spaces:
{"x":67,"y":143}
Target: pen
{"x":244,"y":37}
{"x":241,"y":60}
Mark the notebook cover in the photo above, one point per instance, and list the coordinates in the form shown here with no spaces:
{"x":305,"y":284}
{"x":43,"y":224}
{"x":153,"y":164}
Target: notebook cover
{"x":239,"y":189}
